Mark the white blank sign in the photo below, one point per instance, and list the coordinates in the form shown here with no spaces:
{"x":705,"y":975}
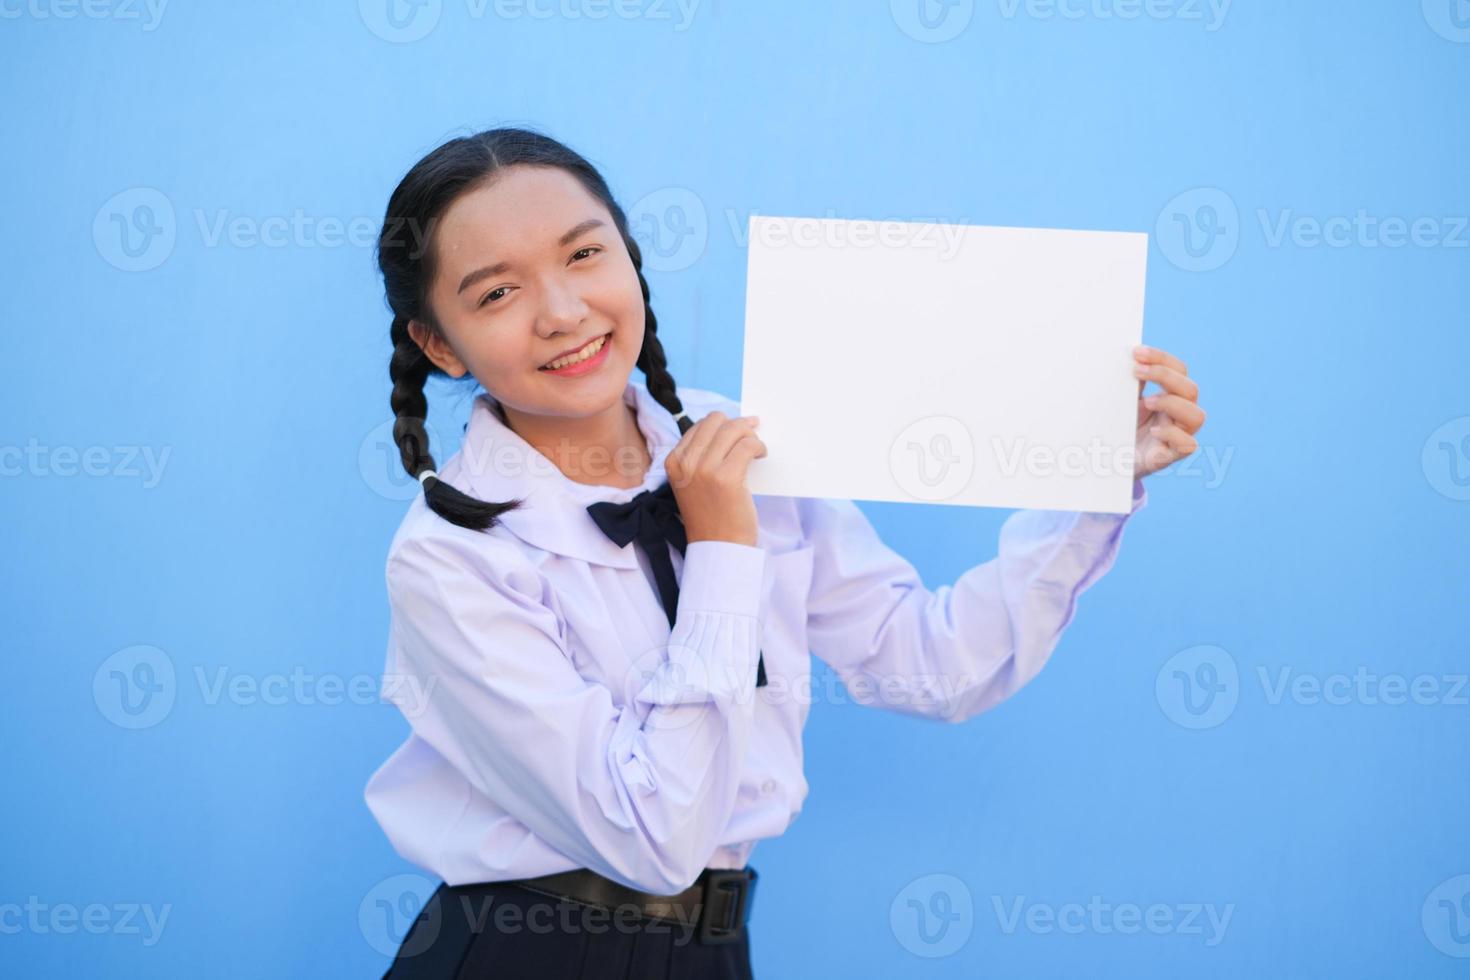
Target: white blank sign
{"x":953,"y":364}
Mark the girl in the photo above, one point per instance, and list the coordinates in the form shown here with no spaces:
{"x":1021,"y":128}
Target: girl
{"x":612,"y":633}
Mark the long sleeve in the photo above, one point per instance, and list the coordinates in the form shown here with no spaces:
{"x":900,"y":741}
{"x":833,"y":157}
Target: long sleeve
{"x":956,"y":651}
{"x":640,"y":800}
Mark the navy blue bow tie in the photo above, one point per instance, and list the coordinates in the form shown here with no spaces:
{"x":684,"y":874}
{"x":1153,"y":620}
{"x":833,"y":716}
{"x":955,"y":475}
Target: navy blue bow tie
{"x":651,"y":519}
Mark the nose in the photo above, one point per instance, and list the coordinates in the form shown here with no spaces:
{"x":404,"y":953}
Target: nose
{"x":562,"y":308}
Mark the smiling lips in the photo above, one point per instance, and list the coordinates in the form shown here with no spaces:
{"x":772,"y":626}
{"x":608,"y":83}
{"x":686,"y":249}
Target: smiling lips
{"x":587,"y":351}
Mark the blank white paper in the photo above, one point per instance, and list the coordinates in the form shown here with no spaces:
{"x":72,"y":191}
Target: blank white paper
{"x":936,"y":363}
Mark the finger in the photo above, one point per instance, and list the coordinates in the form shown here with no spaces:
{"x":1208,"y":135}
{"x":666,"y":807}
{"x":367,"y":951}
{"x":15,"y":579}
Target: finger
{"x":1181,"y":411}
{"x":1176,"y":438}
{"x":730,"y":433}
{"x":1168,"y":379}
{"x":695,"y":443}
{"x":748,"y":448}
{"x":674,"y":463}
{"x":1152,"y":355}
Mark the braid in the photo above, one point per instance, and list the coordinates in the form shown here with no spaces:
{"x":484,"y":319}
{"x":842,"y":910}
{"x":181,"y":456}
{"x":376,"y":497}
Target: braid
{"x":409,"y":369}
{"x":651,"y":359}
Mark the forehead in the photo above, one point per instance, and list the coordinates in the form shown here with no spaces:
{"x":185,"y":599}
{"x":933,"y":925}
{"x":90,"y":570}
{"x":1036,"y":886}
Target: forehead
{"x":524,"y":210}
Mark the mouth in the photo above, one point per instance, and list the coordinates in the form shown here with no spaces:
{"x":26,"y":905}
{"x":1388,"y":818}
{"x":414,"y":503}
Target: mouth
{"x":580,"y":361}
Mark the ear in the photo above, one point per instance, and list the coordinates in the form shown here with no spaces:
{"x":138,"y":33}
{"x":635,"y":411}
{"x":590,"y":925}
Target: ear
{"x":437,"y":349}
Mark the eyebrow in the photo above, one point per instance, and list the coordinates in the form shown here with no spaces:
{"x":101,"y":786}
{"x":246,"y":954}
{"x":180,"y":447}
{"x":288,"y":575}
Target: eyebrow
{"x":494,"y":270}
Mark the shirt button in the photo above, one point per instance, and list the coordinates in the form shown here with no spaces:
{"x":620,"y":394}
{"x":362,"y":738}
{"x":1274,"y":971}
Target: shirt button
{"x":768,"y":787}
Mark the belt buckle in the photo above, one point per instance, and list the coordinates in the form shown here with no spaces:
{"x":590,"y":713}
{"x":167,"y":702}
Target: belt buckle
{"x":738,"y":881}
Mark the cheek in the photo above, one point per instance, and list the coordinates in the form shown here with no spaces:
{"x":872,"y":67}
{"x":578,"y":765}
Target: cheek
{"x":617,"y":289}
{"x":621,"y":299}
{"x":501,"y":352}
{"x":631,"y":326}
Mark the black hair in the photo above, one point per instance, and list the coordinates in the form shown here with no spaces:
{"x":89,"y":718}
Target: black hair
{"x":406,"y":259}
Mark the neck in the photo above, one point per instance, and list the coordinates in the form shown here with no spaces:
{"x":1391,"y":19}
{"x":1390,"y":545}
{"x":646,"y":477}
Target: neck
{"x":606,"y":449}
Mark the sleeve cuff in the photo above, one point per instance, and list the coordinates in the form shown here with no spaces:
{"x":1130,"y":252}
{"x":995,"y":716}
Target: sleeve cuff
{"x":723,"y":577}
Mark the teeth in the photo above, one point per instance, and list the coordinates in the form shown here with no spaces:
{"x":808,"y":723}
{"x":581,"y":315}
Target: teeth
{"x":581,"y":355}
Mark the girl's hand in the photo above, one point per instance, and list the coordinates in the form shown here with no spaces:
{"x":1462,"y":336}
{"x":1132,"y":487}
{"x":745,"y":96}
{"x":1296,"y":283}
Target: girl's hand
{"x":707,"y":473}
{"x":1167,"y":420}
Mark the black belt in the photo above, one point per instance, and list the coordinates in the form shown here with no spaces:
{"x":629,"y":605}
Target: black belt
{"x":718,"y":902}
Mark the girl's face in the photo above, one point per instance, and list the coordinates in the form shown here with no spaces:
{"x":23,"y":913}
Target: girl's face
{"x":529,"y":267}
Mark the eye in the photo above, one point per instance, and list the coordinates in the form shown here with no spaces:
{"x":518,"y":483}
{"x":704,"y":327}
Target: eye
{"x":494,"y":294}
{"x":491,"y":296}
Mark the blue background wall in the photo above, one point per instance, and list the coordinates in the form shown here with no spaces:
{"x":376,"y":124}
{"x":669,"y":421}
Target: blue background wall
{"x":236,"y":337}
